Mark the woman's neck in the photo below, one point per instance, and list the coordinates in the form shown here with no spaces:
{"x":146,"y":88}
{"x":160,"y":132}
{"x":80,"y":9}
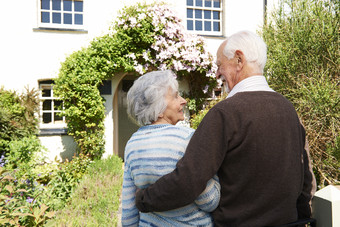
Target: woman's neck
{"x":159,"y":121}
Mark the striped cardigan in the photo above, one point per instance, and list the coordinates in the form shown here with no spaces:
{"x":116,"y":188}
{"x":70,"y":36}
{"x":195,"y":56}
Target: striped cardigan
{"x":152,"y":152}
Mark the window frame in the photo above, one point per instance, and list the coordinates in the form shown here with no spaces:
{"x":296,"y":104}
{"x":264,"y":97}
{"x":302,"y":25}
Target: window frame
{"x":61,"y":12}
{"x":204,"y":8}
{"x":48,"y":84}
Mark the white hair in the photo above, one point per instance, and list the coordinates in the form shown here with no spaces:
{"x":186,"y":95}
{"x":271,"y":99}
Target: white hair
{"x":146,"y":98}
{"x":252,"y":46}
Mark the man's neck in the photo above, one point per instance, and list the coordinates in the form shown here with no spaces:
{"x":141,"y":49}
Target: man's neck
{"x":252,"y":83}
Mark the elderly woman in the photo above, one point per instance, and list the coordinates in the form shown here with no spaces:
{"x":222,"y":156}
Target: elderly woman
{"x":153,"y":151}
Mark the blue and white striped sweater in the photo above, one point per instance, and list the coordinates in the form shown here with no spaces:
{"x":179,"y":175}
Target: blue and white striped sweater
{"x":152,"y":152}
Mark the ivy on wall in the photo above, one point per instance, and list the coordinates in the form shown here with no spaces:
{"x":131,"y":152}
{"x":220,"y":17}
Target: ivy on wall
{"x":142,"y":39}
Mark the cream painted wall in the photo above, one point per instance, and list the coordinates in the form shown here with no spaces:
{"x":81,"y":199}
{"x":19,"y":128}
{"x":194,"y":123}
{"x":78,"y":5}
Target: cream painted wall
{"x":29,"y":54}
{"x":58,"y":147}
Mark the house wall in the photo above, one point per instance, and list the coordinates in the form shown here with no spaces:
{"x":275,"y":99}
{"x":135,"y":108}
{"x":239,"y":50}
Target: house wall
{"x":29,"y":54}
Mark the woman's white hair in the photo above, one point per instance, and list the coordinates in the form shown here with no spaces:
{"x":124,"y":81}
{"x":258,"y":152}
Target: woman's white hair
{"x":252,"y":46}
{"x":146,"y":98}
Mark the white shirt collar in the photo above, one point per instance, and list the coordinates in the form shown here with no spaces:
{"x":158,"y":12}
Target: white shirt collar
{"x":253,"y":83}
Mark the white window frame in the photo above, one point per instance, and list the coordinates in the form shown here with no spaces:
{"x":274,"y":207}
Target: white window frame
{"x":212,"y":8}
{"x":52,"y":111}
{"x":61,"y":11}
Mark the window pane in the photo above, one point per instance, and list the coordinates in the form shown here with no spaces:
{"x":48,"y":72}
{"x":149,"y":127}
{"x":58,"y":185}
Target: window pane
{"x":216,"y":26}
{"x":199,"y":3}
{"x":47,"y":117}
{"x":217,"y":3}
{"x":198,"y":13}
{"x":198,"y":25}
{"x":207,"y":26}
{"x":58,"y":104}
{"x":56,"y":18}
{"x":216,"y":15}
{"x":67,"y":5}
{"x":190,"y":25}
{"x":45,"y":4}
{"x":207,"y":3}
{"x":47,"y":104}
{"x":78,"y":6}
{"x":78,"y":18}
{"x":190,"y":13}
{"x":46,"y":93}
{"x":57,"y":118}
{"x":190,"y":2}
{"x":67,"y":18}
{"x":56,"y":4}
{"x":45,"y":17}
{"x":207,"y":14}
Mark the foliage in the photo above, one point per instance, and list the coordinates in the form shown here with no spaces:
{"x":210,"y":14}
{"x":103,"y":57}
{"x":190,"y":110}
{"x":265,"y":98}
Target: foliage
{"x":96,"y":199}
{"x":144,"y":38}
{"x":303,"y":64}
{"x":197,"y":118}
{"x":64,"y":180}
{"x":83,"y":106}
{"x":172,"y":47}
{"x":29,"y":187}
{"x":21,"y":152}
{"x":26,"y":153}
{"x":18,"y":204}
{"x":25,"y":198}
{"x":17,"y":118}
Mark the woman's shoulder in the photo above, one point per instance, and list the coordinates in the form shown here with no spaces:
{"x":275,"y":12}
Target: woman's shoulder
{"x":165,"y":130}
{"x":184,"y":131}
{"x":183,"y":128}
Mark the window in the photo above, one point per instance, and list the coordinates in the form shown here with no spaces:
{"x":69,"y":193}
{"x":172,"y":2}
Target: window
{"x":204,"y":16}
{"x":50,"y":106}
{"x":67,"y":14}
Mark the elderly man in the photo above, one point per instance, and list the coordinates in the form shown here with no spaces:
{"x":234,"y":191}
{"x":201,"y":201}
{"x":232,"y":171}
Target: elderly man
{"x":255,"y":143}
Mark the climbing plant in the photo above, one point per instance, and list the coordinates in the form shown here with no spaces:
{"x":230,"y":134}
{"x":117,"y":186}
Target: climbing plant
{"x":145,"y":37}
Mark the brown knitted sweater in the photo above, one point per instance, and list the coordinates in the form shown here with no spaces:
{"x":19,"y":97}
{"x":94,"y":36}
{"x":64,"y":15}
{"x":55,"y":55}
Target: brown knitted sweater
{"x":255,"y":143}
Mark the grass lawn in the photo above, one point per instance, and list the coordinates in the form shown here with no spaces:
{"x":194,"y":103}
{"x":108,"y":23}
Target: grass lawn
{"x":96,"y":199}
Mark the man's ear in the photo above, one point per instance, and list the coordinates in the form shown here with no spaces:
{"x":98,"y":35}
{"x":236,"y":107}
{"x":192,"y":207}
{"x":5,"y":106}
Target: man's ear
{"x":240,"y":59}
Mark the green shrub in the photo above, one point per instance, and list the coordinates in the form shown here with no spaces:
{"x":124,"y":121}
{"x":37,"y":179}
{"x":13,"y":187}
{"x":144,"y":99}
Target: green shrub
{"x":17,"y":117}
{"x":303,"y":64}
{"x":24,"y":155}
{"x":21,"y":153}
{"x":197,"y":118}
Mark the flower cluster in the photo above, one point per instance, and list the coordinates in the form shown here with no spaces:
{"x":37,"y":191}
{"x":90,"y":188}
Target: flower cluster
{"x":2,"y":161}
{"x":174,"y":48}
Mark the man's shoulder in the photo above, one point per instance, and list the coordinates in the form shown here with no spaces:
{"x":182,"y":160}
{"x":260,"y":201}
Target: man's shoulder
{"x":245,"y":100}
{"x":251,"y":96}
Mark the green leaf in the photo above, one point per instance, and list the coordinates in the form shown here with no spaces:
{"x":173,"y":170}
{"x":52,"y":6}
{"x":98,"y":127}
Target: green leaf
{"x":22,"y":214}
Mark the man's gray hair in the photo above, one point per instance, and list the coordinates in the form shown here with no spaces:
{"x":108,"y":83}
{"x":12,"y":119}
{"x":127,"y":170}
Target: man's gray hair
{"x":252,"y":46}
{"x":146,"y":98}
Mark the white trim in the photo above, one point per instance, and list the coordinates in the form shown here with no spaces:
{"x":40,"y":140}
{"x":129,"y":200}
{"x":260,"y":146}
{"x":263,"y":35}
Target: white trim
{"x":61,"y":12}
{"x":203,"y":8}
{"x":52,"y":124}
